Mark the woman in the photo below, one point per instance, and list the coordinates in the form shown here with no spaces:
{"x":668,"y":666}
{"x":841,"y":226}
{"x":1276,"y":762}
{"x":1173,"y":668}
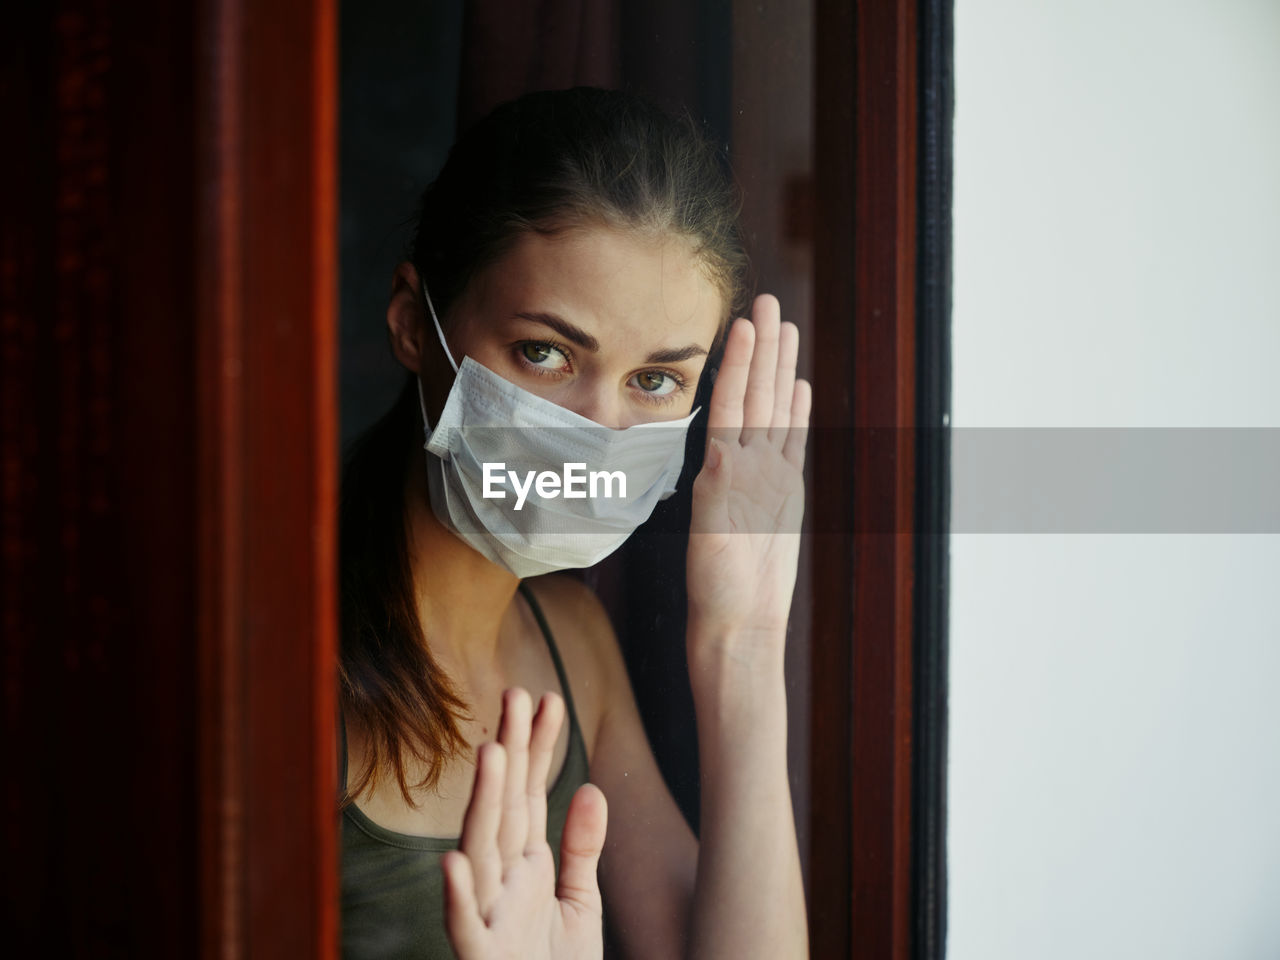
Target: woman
{"x":576,"y":262}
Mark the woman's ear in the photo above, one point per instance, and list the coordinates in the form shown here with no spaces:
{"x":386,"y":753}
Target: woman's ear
{"x":406,"y":322}
{"x":414,"y":341}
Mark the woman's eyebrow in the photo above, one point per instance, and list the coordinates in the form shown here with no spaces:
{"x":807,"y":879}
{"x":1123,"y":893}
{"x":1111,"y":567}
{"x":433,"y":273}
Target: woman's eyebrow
{"x":576,"y":335}
{"x":676,"y":354}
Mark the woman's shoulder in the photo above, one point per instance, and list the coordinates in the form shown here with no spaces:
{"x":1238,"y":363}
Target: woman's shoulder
{"x":584,"y":635}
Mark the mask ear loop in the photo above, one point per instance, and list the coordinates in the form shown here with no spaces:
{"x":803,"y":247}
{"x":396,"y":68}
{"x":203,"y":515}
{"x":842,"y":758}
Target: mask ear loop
{"x":439,"y":333}
{"x":439,"y":330}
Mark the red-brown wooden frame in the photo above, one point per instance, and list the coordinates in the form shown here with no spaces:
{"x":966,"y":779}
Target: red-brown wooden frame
{"x":167,"y":289}
{"x":267,"y":415}
{"x":865,"y":228}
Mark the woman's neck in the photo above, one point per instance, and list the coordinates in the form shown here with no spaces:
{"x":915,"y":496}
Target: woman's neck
{"x":464,"y":600}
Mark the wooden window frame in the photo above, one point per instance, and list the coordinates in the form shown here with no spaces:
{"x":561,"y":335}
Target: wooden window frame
{"x":878,"y":698}
{"x":167,"y":282}
{"x":220,"y":294}
{"x":267,"y":373}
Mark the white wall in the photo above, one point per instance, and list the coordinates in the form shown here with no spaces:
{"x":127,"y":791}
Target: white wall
{"x":1115,"y":751}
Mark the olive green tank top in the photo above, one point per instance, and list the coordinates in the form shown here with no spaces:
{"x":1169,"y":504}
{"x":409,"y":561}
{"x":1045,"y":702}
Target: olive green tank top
{"x":392,"y":884}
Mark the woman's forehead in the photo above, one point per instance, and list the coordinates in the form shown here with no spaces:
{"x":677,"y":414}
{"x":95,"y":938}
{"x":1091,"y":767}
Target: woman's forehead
{"x":620,"y":285}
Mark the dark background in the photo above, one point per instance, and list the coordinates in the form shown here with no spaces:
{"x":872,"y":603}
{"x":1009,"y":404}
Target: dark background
{"x":411,"y":75}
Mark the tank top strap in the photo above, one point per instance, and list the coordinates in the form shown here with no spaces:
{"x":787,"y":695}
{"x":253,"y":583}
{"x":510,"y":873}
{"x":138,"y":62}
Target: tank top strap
{"x":555,"y":658}
{"x":574,"y":729}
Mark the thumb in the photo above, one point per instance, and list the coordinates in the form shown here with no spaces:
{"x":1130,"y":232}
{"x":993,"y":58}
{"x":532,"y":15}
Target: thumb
{"x":711,"y":490}
{"x":463,"y":923}
{"x":580,"y":846}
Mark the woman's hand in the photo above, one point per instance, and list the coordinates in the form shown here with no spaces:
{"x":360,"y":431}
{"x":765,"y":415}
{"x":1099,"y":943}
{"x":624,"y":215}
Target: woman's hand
{"x":748,"y":499}
{"x":501,"y":895}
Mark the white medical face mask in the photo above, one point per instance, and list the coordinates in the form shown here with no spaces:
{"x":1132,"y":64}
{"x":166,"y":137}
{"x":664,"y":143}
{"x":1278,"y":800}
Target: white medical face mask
{"x":532,"y":524}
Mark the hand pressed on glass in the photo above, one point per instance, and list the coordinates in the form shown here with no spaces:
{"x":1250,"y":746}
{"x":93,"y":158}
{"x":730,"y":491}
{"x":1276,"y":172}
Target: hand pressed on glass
{"x":501,"y":895}
{"x":748,"y":499}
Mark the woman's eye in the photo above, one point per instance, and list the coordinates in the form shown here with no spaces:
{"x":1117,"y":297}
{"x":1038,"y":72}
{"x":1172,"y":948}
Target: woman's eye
{"x":544,"y":355}
{"x":656,"y":383}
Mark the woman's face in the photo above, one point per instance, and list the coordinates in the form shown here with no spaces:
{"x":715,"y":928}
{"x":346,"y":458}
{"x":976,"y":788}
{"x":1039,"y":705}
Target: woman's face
{"x":609,"y":324}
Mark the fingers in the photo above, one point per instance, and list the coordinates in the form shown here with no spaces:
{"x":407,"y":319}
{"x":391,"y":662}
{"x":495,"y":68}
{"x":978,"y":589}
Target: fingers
{"x":784,"y":382}
{"x":580,"y":846}
{"x":724,"y":416}
{"x":506,"y":818}
{"x":757,"y":409}
{"x":754,"y":393}
{"x":542,"y":746}
{"x":462,"y":918}
{"x":513,"y":734}
{"x":801,"y":403}
{"x":480,"y":827}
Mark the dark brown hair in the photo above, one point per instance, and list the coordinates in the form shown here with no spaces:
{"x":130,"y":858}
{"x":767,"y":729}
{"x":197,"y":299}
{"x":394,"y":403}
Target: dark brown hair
{"x":545,"y":163}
